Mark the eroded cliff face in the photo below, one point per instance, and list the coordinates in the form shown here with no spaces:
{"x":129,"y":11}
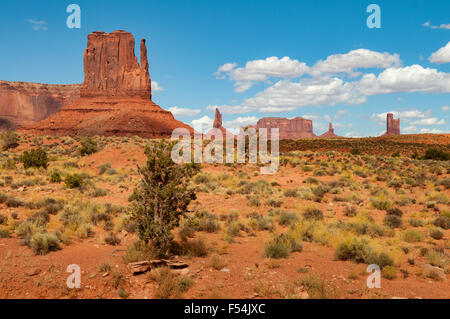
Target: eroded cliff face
{"x":288,"y":128}
{"x":23,"y":103}
{"x":111,"y":67}
{"x":115,"y":98}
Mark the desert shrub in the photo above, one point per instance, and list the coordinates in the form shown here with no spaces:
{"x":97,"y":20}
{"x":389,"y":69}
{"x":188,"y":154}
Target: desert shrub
{"x":88,"y":146}
{"x":186,"y":232}
{"x":218,"y":262}
{"x":437,"y":258}
{"x":194,"y":248}
{"x":415,"y":222}
{"x":392,"y":221}
{"x":313,"y":213}
{"x":413,"y":236}
{"x":350,"y":211}
{"x":291,"y":193}
{"x":274,"y":203}
{"x":85,"y":230}
{"x":123,"y":293}
{"x":287,"y":218}
{"x":443,"y":222}
{"x":73,"y":181}
{"x":39,"y":218}
{"x":381,"y":204}
{"x":99,"y":192}
{"x":317,"y":288}
{"x":209,"y":223}
{"x":42,"y":243}
{"x":280,"y":247}
{"x":162,"y":196}
{"x":8,"y":140}
{"x":389,"y":272}
{"x":436,"y":154}
{"x":436,"y":233}
{"x":139,"y":251}
{"x":253,"y":201}
{"x":35,"y":158}
{"x":233,"y":229}
{"x":104,"y":268}
{"x":259,"y":222}
{"x":112,"y":239}
{"x":394,"y":212}
{"x":14,"y":202}
{"x":4,"y":233}
{"x":3,"y":219}
{"x":55,"y":177}
{"x":360,"y":251}
{"x":71,"y":218}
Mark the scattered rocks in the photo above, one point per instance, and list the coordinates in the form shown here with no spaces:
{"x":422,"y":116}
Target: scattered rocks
{"x":434,"y":272}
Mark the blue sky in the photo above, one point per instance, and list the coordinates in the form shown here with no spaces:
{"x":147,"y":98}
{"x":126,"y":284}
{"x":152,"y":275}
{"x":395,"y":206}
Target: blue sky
{"x":257,"y":58}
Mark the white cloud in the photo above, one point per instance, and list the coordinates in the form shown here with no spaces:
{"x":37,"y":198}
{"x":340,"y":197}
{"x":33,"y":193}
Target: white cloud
{"x":414,"y":78}
{"x":429,"y":130}
{"x":183,"y":112}
{"x":356,"y":59}
{"x":442,"y":55}
{"x":429,"y":121}
{"x":442,"y":26}
{"x":353,"y":134}
{"x":403,"y":115}
{"x":261,"y":71}
{"x":287,"y":95}
{"x":235,"y":125}
{"x":202,"y":124}
{"x":445,"y":108}
{"x":409,"y":129}
{"x":156,"y":87}
{"x":38,"y":25}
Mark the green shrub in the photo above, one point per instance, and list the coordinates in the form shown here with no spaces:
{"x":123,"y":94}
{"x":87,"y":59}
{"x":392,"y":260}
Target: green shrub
{"x":55,"y":177}
{"x":436,"y":154}
{"x":4,"y":233}
{"x":443,"y":222}
{"x":389,"y":272}
{"x":42,"y":243}
{"x":280,"y":247}
{"x":392,"y":221}
{"x":290,"y":193}
{"x":287,"y":218}
{"x":73,"y":181}
{"x":253,"y":201}
{"x":3,"y":219}
{"x":436,"y":233}
{"x":112,"y":239}
{"x":313,"y":213}
{"x":35,"y":158}
{"x":162,"y":196}
{"x":274,"y":203}
{"x":413,"y":236}
{"x":14,"y":202}
{"x":394,"y":212}
{"x":415,"y":222}
{"x":8,"y":140}
{"x":88,"y":146}
{"x":360,"y":251}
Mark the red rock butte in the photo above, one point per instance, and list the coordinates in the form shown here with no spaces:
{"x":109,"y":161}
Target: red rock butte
{"x":217,"y":125}
{"x":329,"y":133}
{"x":288,"y":128}
{"x":392,"y":125}
{"x":115,"y":98}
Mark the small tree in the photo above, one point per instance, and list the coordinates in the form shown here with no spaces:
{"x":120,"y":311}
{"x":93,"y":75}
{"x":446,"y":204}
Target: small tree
{"x":8,"y":140}
{"x":34,"y":158}
{"x":88,"y":146}
{"x":162,"y":196}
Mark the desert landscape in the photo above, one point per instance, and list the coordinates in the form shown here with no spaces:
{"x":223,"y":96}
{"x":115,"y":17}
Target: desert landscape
{"x":93,"y":204}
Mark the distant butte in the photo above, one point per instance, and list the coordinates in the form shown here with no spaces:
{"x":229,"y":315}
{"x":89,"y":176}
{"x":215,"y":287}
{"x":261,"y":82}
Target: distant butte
{"x":115,"y":98}
{"x":217,"y":125}
{"x":288,"y":128}
{"x":392,"y":125}
{"x":329,"y":133}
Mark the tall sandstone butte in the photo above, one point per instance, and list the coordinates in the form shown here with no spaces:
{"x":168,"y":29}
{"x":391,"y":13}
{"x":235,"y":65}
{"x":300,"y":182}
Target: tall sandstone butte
{"x":115,"y":98}
{"x":288,"y":128}
{"x":24,"y":103}
{"x":217,"y":126}
{"x":392,"y":125}
{"x":329,"y":133}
